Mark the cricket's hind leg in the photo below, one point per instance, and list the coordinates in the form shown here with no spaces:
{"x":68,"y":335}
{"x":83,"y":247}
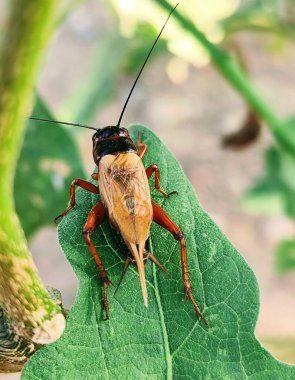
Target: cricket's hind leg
{"x":163,"y":219}
{"x":95,"y":218}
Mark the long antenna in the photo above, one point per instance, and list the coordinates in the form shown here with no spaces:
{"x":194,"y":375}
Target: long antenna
{"x":62,"y":122}
{"x":150,"y":52}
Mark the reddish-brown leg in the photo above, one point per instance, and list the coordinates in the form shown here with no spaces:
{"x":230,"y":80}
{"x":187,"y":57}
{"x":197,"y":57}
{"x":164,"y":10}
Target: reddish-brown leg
{"x":163,"y":219}
{"x":95,"y":217}
{"x":154,"y":169}
{"x":81,"y":183}
{"x":128,"y":261}
{"x":142,"y":147}
{"x":156,"y":261}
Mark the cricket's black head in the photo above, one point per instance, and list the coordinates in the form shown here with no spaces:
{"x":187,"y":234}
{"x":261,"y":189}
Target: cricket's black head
{"x":111,"y":140}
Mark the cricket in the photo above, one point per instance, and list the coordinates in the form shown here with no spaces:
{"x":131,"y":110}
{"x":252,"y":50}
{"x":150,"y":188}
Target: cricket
{"x":126,"y":200}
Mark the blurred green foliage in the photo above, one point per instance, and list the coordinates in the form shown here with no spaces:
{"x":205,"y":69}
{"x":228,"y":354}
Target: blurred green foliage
{"x":124,"y":56}
{"x":49,"y":161}
{"x":271,"y":16}
{"x":274,"y":193}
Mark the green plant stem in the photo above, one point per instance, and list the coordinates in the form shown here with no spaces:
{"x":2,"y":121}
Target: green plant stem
{"x":22,"y":295}
{"x":230,"y":69}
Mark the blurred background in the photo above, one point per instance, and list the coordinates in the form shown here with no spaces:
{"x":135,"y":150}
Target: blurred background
{"x":242,"y":179}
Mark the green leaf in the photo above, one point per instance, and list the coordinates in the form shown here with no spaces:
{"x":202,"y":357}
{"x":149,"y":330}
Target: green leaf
{"x":285,"y":255}
{"x":263,"y":198}
{"x":49,"y":160}
{"x":165,"y":340}
{"x":273,"y":193}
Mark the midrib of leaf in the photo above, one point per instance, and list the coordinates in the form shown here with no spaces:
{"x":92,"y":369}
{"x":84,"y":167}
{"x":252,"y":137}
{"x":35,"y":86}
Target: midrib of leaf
{"x":168,"y":356}
{"x":155,"y":287}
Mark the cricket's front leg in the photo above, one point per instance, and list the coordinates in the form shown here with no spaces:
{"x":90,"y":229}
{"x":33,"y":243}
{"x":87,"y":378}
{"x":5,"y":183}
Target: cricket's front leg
{"x":163,"y":219}
{"x":84,"y":185}
{"x":95,"y":218}
{"x":142,"y":147}
{"x":154,"y":169}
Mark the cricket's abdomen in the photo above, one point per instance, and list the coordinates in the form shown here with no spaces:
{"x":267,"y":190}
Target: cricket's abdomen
{"x":126,"y":195}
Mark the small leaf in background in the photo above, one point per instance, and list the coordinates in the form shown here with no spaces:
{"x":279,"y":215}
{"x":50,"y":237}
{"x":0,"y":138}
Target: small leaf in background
{"x":274,"y":192}
{"x":49,"y":161}
{"x":270,"y":16}
{"x":285,"y":256}
{"x":165,"y":340}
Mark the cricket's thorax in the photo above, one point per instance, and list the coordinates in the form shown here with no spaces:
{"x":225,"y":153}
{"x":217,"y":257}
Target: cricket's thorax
{"x":126,"y":195}
{"x":111,"y":140}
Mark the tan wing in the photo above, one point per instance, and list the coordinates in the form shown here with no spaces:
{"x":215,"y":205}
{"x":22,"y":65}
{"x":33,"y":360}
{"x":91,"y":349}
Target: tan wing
{"x":125,"y":192}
